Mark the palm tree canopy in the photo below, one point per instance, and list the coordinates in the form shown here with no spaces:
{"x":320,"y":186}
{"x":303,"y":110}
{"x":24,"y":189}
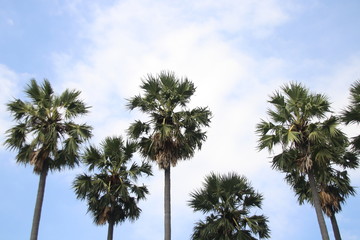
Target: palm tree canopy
{"x":227,"y":201}
{"x":111,"y":192}
{"x":172,"y":131}
{"x":45,"y":134}
{"x":299,"y":124}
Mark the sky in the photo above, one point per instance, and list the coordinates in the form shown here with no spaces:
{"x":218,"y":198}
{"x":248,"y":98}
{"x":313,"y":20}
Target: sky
{"x":236,"y":52}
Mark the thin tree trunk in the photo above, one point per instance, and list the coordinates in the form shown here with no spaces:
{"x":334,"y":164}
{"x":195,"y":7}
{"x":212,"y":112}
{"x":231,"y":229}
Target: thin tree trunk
{"x":319,"y":214}
{"x":38,"y":205}
{"x":167,"y":205}
{"x":110,"y":230}
{"x":335,"y":227}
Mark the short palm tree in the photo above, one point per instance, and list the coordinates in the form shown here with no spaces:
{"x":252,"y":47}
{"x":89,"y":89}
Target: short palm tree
{"x":352,"y":113}
{"x":172,"y":132}
{"x":300,"y":127}
{"x":45,"y":135}
{"x":112,"y":193}
{"x":227,"y":200}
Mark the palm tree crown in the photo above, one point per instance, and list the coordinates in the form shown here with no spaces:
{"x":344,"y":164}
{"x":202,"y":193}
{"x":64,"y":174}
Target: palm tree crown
{"x":45,"y":135}
{"x":112,"y":193}
{"x":227,"y":200}
{"x":172,"y":133}
{"x":300,"y":126}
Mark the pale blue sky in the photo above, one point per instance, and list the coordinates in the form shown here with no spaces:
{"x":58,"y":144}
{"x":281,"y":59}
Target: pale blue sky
{"x":237,"y":52}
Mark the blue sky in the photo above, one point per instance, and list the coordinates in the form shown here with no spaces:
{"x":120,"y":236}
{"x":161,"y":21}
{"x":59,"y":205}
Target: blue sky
{"x":237,"y":52}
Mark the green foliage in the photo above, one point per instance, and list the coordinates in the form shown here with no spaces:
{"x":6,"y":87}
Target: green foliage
{"x":110,"y":190}
{"x":45,"y":134}
{"x":299,"y":124}
{"x":173,"y":132}
{"x":352,"y":113}
{"x":333,"y":186}
{"x":227,"y":201}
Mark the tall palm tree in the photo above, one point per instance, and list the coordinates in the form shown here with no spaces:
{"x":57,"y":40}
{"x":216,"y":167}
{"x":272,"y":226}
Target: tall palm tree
{"x":299,"y":125}
{"x":172,"y":132}
{"x":45,"y":135}
{"x":227,"y":200}
{"x":352,"y":113}
{"x":112,"y":193}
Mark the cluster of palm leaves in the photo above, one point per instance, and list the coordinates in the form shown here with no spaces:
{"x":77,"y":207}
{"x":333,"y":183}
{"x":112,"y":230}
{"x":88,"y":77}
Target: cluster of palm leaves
{"x":314,"y":152}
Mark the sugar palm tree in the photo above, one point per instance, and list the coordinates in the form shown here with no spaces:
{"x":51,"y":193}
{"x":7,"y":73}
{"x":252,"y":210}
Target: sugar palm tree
{"x":227,"y":201}
{"x":45,"y":135}
{"x":352,"y":113}
{"x":300,"y":126}
{"x":112,"y":193}
{"x":172,"y":132}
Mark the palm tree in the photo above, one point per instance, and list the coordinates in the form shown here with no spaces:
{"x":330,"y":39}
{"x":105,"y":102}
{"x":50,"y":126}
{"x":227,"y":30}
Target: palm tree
{"x":352,"y":113}
{"x":112,"y":194}
{"x":300,"y":127}
{"x":227,"y":200}
{"x":172,"y":132}
{"x":45,"y":135}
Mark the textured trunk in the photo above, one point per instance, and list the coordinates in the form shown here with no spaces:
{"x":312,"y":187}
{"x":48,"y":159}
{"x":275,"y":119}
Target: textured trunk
{"x":38,"y":205}
{"x":110,"y":230}
{"x":167,"y":205}
{"x":319,"y":214}
{"x":335,"y":227}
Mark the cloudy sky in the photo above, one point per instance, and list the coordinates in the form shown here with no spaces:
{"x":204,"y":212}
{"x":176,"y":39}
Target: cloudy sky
{"x":237,"y":52}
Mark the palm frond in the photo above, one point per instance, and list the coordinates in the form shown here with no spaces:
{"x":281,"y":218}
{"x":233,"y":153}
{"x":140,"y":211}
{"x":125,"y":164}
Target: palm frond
{"x":137,"y":129}
{"x":352,"y":113}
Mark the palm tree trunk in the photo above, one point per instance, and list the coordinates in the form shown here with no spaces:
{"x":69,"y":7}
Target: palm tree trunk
{"x":319,"y":214}
{"x":167,"y":205}
{"x":110,"y":230}
{"x":38,"y":205}
{"x":335,"y":227}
